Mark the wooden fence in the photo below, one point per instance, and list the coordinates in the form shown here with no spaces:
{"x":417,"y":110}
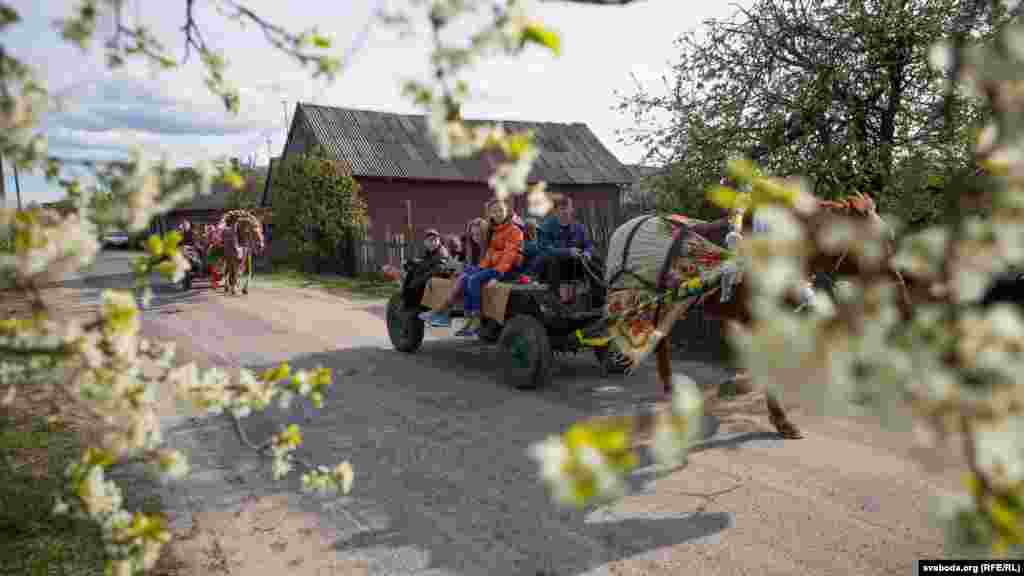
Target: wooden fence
{"x":371,"y":255}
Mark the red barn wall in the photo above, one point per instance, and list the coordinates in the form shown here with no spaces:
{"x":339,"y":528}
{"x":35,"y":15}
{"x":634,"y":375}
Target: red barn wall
{"x":448,"y":206}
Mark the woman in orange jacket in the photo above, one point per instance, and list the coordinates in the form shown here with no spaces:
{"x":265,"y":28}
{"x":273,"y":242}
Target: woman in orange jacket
{"x":501,"y":262}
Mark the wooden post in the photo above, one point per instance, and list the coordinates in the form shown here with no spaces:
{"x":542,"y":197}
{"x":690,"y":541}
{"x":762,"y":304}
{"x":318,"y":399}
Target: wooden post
{"x":382,"y":255}
{"x":410,"y":232}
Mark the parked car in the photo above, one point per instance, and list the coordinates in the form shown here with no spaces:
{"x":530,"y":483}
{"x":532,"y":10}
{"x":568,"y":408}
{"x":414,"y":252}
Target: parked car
{"x":118,"y":238}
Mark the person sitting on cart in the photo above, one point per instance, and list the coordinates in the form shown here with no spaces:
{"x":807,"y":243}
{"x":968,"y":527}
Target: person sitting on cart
{"x":475,"y":244}
{"x":541,"y":240}
{"x":530,"y":232}
{"x":561,"y":242}
{"x":434,"y":255}
{"x":434,"y":248}
{"x":502,"y":261}
{"x":455,"y":250}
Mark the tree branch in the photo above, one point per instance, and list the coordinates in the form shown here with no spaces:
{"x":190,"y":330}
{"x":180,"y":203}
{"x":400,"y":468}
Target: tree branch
{"x":593,"y":2}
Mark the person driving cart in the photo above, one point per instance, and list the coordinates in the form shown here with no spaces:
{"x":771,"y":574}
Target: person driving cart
{"x":561,"y":240}
{"x":188,"y":243}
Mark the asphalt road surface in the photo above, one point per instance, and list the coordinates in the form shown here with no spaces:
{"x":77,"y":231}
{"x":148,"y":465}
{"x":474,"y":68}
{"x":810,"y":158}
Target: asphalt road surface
{"x":443,"y":483}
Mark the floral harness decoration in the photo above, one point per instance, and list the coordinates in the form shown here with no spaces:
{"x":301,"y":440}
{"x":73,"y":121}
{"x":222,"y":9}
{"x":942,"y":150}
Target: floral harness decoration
{"x":638,"y":313}
{"x":214,"y":241}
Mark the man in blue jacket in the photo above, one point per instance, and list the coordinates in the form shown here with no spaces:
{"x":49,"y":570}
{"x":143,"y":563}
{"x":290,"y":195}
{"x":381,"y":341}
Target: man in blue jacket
{"x":560,"y":241}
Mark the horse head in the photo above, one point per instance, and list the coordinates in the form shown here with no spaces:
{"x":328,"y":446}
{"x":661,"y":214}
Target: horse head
{"x":859,"y":207}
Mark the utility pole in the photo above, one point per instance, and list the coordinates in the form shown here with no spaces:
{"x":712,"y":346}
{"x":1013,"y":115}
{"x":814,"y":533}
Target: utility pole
{"x":270,"y":153}
{"x":284,"y":105}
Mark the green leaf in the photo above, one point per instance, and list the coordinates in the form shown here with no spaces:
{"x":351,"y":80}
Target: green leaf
{"x":232,"y":178}
{"x":538,"y":34}
{"x":8,"y":16}
{"x":723,"y":196}
{"x":515,"y":145}
{"x":321,"y":42}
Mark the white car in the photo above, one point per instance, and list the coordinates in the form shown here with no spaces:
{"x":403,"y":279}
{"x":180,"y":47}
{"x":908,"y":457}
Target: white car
{"x":117,"y":238}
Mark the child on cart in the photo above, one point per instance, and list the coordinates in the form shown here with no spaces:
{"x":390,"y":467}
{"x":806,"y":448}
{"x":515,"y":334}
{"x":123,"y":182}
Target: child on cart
{"x":474,"y":248}
{"x":501,"y":262}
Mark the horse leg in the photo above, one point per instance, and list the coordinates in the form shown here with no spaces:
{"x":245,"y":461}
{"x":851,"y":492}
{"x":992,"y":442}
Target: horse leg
{"x":248,"y":273}
{"x":777,"y":416}
{"x":663,"y":351}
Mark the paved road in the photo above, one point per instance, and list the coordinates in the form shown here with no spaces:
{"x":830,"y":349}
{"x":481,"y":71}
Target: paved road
{"x":443,"y":484}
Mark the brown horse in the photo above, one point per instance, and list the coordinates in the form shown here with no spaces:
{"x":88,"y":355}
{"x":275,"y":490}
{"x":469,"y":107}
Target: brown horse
{"x":737,"y":309}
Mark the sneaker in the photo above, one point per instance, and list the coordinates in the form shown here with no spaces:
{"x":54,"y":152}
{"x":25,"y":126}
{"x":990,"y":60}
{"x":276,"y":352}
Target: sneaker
{"x":470,"y":329}
{"x":440,"y":320}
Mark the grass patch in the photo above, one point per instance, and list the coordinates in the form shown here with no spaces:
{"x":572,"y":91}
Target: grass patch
{"x":33,"y":456}
{"x":371,"y":286}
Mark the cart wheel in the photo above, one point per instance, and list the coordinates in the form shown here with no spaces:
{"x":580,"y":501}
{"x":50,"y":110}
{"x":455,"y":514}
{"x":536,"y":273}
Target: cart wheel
{"x":404,"y":326}
{"x":524,"y":353}
{"x":490,"y":331}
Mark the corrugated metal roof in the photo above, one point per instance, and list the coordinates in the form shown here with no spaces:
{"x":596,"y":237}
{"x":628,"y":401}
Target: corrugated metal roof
{"x":397,"y":146}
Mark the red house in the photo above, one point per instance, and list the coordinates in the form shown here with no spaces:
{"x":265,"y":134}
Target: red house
{"x":399,"y":172}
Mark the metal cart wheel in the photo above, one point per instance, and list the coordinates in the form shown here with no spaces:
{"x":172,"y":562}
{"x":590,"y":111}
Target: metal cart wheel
{"x":404,"y":326}
{"x":524,"y":353}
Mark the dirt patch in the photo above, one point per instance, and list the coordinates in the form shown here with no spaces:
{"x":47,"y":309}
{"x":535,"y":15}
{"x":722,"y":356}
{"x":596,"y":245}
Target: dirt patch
{"x":265,"y":536}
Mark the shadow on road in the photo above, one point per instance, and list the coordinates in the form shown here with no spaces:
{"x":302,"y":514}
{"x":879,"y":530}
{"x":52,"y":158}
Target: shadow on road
{"x":440,"y":453}
{"x":622,"y":539}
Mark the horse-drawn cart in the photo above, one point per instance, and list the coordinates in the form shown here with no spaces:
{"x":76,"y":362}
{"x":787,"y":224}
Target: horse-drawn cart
{"x":209,"y":257}
{"x":525,"y":321}
{"x":658,"y":267}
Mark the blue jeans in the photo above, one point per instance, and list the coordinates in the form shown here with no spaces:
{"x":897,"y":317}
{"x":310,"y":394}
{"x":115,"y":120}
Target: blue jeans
{"x":467,"y":271}
{"x":473,"y":290}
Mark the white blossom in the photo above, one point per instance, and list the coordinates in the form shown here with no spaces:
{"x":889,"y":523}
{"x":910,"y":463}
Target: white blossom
{"x":999,"y":449}
{"x":553,"y":457}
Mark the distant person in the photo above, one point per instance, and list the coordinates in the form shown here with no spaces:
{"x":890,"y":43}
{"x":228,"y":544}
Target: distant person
{"x":188,"y":237}
{"x":234,"y":258}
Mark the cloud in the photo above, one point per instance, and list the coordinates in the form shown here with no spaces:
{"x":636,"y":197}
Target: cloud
{"x":174,"y":112}
{"x":129,"y":104}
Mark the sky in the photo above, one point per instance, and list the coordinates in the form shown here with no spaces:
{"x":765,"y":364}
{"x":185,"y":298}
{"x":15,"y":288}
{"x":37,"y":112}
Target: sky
{"x":606,"y":51}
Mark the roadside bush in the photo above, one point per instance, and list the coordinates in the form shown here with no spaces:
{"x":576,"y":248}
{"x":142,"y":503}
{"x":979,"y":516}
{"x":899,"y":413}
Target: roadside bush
{"x":317,"y":207}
